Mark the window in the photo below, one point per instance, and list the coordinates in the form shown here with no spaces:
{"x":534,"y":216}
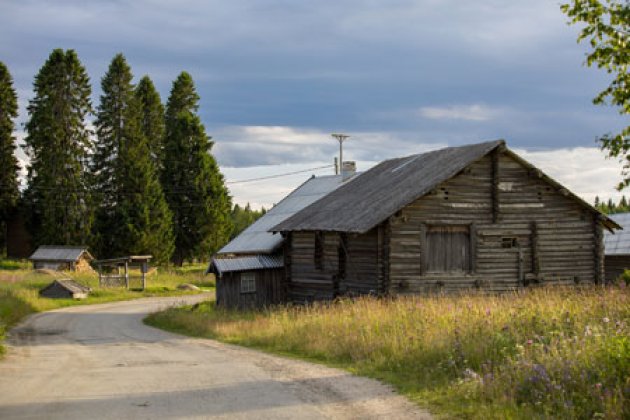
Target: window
{"x":509,"y":242}
{"x":248,"y":282}
{"x":318,"y":253}
{"x":448,"y":249}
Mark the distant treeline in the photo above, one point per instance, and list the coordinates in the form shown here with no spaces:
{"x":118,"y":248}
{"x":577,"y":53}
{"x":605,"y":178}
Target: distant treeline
{"x":243,"y":217}
{"x":610,"y":207}
{"x":143,"y":181}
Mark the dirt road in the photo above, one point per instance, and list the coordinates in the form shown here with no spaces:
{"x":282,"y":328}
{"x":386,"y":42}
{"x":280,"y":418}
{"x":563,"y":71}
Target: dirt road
{"x":101,"y":361}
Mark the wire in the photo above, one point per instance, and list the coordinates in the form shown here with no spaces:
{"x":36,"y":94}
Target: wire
{"x":169,"y":191}
{"x":278,"y":175}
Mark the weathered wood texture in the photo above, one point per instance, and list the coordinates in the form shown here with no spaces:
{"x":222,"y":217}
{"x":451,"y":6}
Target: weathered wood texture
{"x":540,"y":235}
{"x":615,"y":266}
{"x":269,"y":290}
{"x":350,"y":264}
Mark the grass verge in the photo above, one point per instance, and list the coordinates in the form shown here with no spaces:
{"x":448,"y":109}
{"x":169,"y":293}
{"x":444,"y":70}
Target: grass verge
{"x":560,"y":353}
{"x":20,"y":286}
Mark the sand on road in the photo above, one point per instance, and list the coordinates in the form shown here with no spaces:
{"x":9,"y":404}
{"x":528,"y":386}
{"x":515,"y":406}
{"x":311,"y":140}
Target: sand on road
{"x":101,"y":361}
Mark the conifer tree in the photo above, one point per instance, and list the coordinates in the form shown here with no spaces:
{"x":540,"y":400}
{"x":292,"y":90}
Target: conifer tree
{"x":133,"y":217}
{"x":194,"y":185}
{"x":152,"y":112}
{"x":58,"y":144}
{"x":9,"y":191}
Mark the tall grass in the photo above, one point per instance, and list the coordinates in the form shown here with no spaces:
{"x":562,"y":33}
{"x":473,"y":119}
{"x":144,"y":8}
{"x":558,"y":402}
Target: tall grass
{"x":542,"y":353}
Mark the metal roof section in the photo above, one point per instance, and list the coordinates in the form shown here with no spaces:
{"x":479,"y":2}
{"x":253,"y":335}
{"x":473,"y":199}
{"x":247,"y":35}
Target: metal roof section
{"x":257,"y":239}
{"x":618,"y":243}
{"x":256,"y":262}
{"x":381,"y":191}
{"x":59,"y":253}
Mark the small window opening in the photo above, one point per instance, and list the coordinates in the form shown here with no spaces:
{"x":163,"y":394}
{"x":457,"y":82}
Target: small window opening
{"x":248,"y":283}
{"x":318,"y":254}
{"x":509,"y":242}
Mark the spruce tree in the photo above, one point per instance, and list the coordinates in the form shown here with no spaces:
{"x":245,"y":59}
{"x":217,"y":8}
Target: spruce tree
{"x":194,"y":186}
{"x":58,"y":144}
{"x":133,"y":217}
{"x":152,"y":112}
{"x":9,"y":191}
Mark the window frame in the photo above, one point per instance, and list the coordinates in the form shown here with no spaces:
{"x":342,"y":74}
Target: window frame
{"x":469,"y":262}
{"x":248,"y":282}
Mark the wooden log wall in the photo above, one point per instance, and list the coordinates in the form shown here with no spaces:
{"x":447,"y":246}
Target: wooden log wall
{"x":364,"y":271}
{"x":363,"y":264}
{"x":615,"y":266}
{"x":500,"y":200}
{"x":307,"y":283}
{"x":269,"y":290}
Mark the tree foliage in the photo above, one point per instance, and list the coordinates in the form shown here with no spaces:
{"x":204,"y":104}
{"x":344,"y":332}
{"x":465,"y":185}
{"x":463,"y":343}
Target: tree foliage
{"x":194,"y":186}
{"x":242,"y":217}
{"x":58,"y":145}
{"x":152,"y":117}
{"x":607,"y":30}
{"x":9,"y":168}
{"x":133,"y":217}
{"x":610,"y":207}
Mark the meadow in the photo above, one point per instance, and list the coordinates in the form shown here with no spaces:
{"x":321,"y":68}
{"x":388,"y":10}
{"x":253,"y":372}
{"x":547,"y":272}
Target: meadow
{"x":541,"y":353}
{"x":20,"y":286}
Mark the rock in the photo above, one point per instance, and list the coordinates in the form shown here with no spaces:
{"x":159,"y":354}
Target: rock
{"x":188,"y":286}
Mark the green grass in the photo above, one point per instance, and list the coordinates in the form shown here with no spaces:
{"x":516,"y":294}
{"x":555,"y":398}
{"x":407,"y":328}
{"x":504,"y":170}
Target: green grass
{"x":545,"y":353}
{"x":20,"y":286}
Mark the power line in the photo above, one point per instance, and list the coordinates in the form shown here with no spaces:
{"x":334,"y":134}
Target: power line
{"x":278,"y":175}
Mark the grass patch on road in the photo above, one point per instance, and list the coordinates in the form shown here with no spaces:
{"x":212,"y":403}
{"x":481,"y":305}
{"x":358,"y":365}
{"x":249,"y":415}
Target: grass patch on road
{"x":545,"y":353}
{"x":20,"y":286}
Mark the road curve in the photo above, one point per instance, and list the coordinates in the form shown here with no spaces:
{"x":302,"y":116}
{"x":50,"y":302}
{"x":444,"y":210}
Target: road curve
{"x":101,"y":361}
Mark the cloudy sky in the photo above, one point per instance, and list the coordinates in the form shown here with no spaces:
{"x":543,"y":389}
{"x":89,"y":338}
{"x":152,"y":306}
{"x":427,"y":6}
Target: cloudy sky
{"x":276,"y":77}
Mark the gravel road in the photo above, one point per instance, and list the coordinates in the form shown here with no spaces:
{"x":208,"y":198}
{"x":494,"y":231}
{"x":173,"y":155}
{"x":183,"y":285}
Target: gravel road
{"x":101,"y":361}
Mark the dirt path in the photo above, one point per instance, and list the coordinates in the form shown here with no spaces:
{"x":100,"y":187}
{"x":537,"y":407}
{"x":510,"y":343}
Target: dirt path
{"x":101,"y":361}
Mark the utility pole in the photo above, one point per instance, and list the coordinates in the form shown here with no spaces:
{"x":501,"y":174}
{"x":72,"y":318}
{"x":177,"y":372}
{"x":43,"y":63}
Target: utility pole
{"x":340,"y":138}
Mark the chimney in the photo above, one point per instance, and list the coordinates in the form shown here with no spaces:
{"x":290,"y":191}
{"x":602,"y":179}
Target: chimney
{"x":348,"y":169}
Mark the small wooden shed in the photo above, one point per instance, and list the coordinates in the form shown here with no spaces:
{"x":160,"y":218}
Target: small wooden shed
{"x":249,"y":282}
{"x":62,"y":257}
{"x":65,"y":288}
{"x":253,"y":260}
{"x":617,"y":248}
{"x":475,"y":217}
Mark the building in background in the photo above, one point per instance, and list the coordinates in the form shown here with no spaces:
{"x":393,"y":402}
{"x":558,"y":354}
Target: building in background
{"x":61,"y":257}
{"x":617,"y":248}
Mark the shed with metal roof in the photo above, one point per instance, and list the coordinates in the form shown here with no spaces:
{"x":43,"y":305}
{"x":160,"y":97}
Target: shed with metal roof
{"x":249,"y":270}
{"x":62,"y":257}
{"x":617,"y":248}
{"x":470,"y":217}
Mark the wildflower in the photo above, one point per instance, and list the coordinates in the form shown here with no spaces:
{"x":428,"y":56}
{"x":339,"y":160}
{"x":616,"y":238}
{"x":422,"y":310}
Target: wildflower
{"x":598,"y":385}
{"x":530,"y":342}
{"x":606,"y":320}
{"x":487,"y":311}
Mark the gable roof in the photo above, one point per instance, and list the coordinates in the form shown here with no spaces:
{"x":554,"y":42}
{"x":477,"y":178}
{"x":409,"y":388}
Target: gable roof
{"x":69,"y":285}
{"x":369,"y":199}
{"x":257,"y":238}
{"x":618,"y":243}
{"x":384,"y":189}
{"x":59,"y":253}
